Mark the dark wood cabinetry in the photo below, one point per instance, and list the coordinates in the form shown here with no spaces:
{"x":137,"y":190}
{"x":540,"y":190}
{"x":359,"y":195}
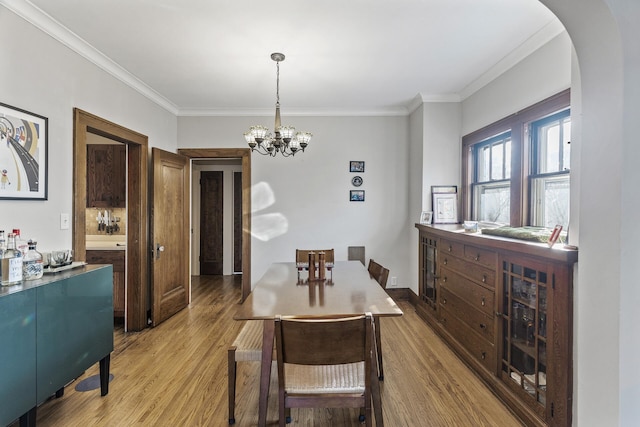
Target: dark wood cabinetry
{"x":106,"y":175}
{"x":117,"y":259}
{"x":505,"y":306}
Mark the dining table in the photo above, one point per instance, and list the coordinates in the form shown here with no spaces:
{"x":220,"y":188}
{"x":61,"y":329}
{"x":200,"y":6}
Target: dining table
{"x":286,"y":289}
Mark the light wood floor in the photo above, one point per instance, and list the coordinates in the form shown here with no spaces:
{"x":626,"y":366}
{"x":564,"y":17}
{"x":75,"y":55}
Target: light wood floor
{"x":175,"y":375}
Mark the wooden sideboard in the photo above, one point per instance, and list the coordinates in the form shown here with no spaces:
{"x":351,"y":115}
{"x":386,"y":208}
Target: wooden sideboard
{"x":52,"y":330}
{"x":505,"y":307}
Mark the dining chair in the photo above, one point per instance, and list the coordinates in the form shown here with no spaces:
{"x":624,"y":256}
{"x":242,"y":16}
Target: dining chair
{"x":380,"y":273}
{"x":247,"y":347}
{"x":327,"y":363}
{"x":302,"y":255}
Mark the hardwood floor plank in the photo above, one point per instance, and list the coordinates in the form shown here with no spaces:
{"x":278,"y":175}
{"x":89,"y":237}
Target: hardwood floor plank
{"x":175,"y":375}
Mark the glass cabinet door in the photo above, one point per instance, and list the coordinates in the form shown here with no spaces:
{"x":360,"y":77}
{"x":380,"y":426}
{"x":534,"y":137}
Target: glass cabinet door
{"x":428,"y":291}
{"x":524,"y":313}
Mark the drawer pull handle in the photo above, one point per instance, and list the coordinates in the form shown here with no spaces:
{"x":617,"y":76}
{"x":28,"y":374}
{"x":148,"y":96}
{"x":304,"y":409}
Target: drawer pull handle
{"x":444,"y":279}
{"x":450,"y":248}
{"x":499,"y":314}
{"x":444,"y":301}
{"x":445,"y":261}
{"x":482,"y":303}
{"x":483,"y":326}
{"x":477,"y":258}
{"x":483,"y":355}
{"x":484,"y":278}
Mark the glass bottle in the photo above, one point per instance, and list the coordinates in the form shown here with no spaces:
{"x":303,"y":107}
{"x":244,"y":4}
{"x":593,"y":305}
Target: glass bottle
{"x":11,"y":263}
{"x":32,"y":267}
{"x":3,"y":243}
{"x":21,"y":245}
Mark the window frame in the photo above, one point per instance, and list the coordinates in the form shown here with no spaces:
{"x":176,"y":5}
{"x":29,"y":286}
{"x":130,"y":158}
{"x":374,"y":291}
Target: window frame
{"x":521,"y":165}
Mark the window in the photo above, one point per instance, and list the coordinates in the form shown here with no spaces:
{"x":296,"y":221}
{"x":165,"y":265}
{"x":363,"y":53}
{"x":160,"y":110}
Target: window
{"x":549,"y":195}
{"x":492,"y":183}
{"x":516,"y":171}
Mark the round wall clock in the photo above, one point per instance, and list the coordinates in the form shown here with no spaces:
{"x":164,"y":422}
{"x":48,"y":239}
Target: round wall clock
{"x":356,"y":181}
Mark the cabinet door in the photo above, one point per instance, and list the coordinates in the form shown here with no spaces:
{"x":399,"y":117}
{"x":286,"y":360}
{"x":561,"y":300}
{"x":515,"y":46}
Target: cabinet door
{"x":428,"y":278}
{"x":536,"y":349}
{"x":106,"y":175}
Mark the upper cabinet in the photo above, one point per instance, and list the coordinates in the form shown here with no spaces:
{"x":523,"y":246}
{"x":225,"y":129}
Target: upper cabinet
{"x":106,"y":175}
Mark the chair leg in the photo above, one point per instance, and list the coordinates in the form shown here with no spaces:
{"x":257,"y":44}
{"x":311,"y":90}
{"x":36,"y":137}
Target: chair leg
{"x":282,"y":412}
{"x":231,"y":374}
{"x":379,"y":347}
{"x":376,"y":399}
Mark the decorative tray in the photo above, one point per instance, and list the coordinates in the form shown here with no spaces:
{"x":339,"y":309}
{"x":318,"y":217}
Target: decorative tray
{"x":75,"y":264}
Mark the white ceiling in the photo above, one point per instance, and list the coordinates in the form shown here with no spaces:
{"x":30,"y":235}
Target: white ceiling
{"x":212,"y":57}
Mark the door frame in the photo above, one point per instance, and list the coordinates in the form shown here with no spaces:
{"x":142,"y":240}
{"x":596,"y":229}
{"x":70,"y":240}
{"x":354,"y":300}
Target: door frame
{"x":137,"y":207}
{"x":244,"y":154}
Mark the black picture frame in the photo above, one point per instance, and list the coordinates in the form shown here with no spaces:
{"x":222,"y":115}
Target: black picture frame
{"x":356,"y":195}
{"x":24,"y":136}
{"x":356,"y":166}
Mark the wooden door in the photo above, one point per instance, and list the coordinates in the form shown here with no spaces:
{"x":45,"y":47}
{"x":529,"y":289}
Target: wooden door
{"x":170,"y":232}
{"x":237,"y":222}
{"x":211,"y":222}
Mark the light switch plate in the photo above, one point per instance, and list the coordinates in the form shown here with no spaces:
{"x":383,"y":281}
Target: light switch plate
{"x":64,"y":221}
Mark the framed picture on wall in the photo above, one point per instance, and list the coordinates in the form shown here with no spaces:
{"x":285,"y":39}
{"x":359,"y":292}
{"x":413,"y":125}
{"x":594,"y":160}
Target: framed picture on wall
{"x":356,"y":166}
{"x":445,"y":208}
{"x":356,"y":195}
{"x":23,"y":154}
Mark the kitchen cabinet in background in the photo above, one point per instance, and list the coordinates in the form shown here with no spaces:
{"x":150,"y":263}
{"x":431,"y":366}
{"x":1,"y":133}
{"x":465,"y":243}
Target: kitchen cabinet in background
{"x":106,"y":175}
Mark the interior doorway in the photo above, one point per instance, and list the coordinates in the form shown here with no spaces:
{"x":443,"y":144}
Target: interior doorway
{"x":216,"y":216}
{"x":137,"y":280}
{"x":243,"y":155}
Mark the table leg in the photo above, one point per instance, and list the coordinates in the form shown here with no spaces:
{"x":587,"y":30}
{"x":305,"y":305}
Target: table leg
{"x":265,"y":370}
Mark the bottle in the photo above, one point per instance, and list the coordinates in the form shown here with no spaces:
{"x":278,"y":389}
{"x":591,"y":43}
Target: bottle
{"x":21,"y":245}
{"x":3,"y":243}
{"x":32,"y":267}
{"x":11,"y":263}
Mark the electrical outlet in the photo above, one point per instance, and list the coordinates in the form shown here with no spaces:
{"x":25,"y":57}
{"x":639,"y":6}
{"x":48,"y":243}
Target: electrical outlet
{"x":64,"y":221}
{"x":394,"y":282}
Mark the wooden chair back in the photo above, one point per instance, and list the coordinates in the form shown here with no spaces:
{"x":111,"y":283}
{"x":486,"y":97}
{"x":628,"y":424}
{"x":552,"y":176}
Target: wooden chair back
{"x":378,"y":272}
{"x":302,"y":255}
{"x":316,"y":360}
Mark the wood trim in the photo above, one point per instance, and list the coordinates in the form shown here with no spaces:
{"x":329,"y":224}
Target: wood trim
{"x":245,"y":155}
{"x":516,"y":123}
{"x":137,"y":206}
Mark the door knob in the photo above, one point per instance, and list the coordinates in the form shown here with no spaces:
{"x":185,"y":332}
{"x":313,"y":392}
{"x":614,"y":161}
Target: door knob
{"x":159,"y":248}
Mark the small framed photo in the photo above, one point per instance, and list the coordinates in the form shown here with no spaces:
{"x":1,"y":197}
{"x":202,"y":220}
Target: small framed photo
{"x":356,"y":166}
{"x":356,"y":195}
{"x":426,"y":217}
{"x":23,"y":154}
{"x":445,"y":208}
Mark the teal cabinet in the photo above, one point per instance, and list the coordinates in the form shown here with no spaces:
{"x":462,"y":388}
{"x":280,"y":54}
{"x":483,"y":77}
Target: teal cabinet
{"x":52,"y":330}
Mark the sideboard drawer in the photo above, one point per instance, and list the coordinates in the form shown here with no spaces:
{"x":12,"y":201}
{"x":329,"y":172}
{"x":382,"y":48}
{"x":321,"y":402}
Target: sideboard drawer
{"x":476,"y":296}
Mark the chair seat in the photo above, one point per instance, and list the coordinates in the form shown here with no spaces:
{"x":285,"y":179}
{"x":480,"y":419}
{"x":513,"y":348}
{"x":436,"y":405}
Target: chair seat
{"x":326,"y":379}
{"x":248,"y":343}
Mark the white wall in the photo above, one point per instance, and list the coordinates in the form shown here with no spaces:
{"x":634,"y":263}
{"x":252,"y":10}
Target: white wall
{"x":545,"y":72}
{"x":42,"y":76}
{"x":417,"y":202}
{"x":311,"y":190}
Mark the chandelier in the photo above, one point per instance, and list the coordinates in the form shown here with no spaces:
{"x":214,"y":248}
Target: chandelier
{"x":286,"y":140}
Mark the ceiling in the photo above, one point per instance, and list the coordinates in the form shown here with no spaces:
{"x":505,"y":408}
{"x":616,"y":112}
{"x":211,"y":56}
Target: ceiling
{"x":212,"y":57}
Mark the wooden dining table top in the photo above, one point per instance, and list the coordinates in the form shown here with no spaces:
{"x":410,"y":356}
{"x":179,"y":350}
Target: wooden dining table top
{"x":347,"y":289}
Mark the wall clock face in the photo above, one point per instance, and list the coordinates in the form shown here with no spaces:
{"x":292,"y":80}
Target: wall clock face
{"x":356,"y":181}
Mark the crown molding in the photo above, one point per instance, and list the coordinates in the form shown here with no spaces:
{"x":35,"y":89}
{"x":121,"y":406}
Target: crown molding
{"x":533,"y":43}
{"x":203,"y":112}
{"x":43,"y":21}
